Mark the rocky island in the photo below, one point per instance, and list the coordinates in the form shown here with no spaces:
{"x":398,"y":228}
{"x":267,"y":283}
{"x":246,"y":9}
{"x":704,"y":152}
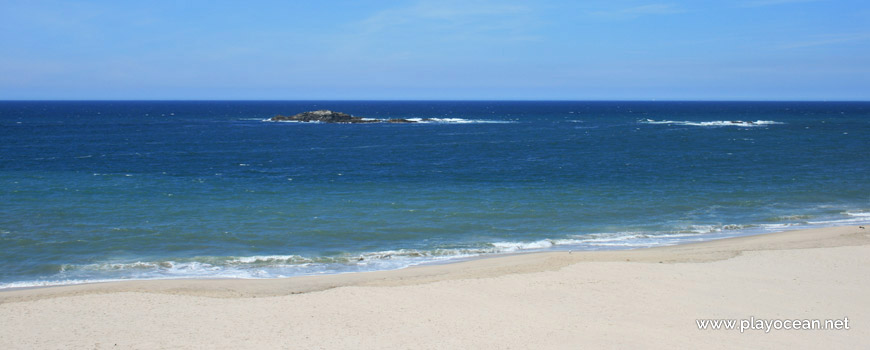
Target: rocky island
{"x":327,"y":116}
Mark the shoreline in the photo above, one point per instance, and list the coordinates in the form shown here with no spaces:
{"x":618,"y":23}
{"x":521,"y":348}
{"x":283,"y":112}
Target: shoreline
{"x":554,"y":248}
{"x":702,"y":251}
{"x":644,"y":297}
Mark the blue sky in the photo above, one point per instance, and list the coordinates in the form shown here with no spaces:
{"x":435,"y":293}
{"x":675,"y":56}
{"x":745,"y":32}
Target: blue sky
{"x":445,"y":49}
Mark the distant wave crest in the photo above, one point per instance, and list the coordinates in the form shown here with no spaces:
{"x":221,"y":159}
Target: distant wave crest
{"x":715,"y":123}
{"x":458,"y":121}
{"x":417,"y":121}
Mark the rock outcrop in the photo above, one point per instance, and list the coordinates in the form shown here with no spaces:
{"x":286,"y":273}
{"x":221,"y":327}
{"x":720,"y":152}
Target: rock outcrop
{"x":327,"y":116}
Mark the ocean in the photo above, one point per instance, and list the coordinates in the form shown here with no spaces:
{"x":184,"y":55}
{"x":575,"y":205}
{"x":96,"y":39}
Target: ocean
{"x":119,"y":190}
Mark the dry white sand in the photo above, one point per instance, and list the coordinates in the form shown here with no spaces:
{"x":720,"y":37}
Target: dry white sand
{"x":648,"y":298}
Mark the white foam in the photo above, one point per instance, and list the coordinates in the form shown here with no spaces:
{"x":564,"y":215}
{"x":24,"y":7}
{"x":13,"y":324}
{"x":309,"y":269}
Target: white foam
{"x":676,"y":235}
{"x":457,"y":121}
{"x":415,"y":120}
{"x":48,"y":283}
{"x":292,"y":121}
{"x":287,"y":259}
{"x":277,"y":266}
{"x":777,"y":226}
{"x":611,"y":237}
{"x":857,"y":220}
{"x":698,"y":229}
{"x":515,"y":246}
{"x":739,"y":123}
{"x":851,"y":217}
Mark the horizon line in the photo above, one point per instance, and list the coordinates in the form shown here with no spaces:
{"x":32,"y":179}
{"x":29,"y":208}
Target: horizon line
{"x":433,"y":100}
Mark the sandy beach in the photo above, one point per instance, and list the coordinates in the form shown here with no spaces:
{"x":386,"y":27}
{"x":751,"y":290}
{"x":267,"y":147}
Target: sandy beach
{"x":647,"y":298}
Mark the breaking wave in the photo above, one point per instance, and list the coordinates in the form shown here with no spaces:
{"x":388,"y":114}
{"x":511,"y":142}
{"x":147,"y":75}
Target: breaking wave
{"x":716,"y":123}
{"x":414,"y":120}
{"x":278,"y":266}
{"x":458,"y":121}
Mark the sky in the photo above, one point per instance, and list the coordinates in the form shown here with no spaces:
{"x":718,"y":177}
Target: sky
{"x":435,"y":50}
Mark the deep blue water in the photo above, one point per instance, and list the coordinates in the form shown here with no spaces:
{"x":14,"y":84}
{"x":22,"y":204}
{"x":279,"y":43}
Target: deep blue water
{"x":118,"y":190}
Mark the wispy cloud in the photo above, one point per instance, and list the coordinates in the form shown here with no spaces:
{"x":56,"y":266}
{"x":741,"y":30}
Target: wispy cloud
{"x":762,"y":3}
{"x":639,"y":11}
{"x":827,"y":40}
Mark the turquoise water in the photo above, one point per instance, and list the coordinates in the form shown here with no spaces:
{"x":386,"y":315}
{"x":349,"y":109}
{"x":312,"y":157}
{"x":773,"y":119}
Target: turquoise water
{"x":128,"y":190}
